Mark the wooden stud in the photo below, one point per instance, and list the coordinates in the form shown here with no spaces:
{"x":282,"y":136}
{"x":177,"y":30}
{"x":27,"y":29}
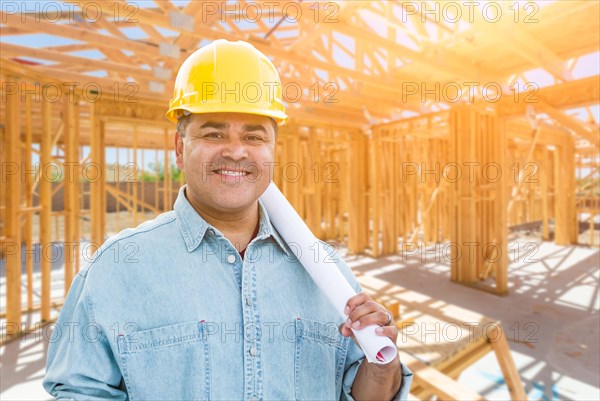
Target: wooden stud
{"x":29,"y":180}
{"x":136,"y":175}
{"x":46,"y":208}
{"x":71,"y":188}
{"x":11,"y":143}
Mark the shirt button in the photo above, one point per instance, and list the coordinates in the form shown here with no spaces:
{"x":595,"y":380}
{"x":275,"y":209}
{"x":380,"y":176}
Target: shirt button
{"x":231,"y":259}
{"x":252,"y":351}
{"x":249,"y":300}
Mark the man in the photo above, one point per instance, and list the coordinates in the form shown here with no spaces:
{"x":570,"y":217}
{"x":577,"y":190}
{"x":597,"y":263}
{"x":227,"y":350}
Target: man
{"x":208,"y":301}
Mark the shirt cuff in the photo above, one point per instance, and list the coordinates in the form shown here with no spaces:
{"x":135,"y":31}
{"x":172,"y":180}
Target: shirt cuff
{"x":401,"y":395}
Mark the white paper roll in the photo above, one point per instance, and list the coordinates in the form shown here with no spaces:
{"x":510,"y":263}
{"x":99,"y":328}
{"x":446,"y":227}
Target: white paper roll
{"x":323,"y":271}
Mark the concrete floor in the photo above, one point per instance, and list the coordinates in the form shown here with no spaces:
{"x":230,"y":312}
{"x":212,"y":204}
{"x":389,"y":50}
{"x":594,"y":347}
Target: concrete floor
{"x":550,"y":316}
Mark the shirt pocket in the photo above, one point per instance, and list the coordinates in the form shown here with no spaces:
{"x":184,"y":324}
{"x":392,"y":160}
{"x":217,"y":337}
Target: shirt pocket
{"x":319,"y":360}
{"x":166,"y":363}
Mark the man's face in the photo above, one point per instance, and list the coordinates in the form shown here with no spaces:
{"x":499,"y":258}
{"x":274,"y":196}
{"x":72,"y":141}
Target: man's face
{"x":227,"y":159}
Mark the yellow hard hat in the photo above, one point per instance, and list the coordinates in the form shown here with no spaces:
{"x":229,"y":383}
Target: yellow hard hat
{"x":228,"y":76}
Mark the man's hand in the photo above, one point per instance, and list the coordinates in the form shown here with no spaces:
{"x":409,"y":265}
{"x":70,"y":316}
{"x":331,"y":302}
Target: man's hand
{"x":362,"y":311}
{"x":373,"y":381}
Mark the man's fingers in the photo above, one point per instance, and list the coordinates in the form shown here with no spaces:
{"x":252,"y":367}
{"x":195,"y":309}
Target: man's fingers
{"x":377,"y":317}
{"x":345,"y":331}
{"x":387,"y":331}
{"x":363,"y":315}
{"x":356,"y":300}
{"x":362,"y":311}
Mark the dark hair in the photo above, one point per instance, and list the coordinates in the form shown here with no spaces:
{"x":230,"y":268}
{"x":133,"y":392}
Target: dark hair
{"x":182,"y":123}
{"x":184,"y":120}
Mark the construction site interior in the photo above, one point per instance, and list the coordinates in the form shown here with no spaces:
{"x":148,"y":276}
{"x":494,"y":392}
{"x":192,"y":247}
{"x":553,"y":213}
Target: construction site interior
{"x":448,"y":150}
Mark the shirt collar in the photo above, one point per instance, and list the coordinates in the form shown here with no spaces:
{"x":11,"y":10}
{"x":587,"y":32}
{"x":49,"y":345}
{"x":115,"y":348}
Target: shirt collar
{"x":193,"y":226}
{"x":266,"y":229}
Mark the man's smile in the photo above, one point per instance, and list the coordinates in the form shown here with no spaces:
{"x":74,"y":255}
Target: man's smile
{"x":234,"y":173}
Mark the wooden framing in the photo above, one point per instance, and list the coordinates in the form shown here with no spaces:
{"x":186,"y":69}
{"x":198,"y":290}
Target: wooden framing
{"x":479,"y":201}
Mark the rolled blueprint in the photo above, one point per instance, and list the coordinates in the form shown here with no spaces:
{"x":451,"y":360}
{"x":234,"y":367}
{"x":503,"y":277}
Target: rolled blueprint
{"x":323,"y":271}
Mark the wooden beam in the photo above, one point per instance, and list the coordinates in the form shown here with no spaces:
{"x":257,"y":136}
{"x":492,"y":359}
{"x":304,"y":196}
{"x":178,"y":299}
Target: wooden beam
{"x":497,"y":339}
{"x":531,"y":49}
{"x":166,"y":6}
{"x":11,"y":31}
{"x":577,"y":126}
{"x":522,"y":42}
{"x":120,"y":92}
{"x":201,"y":32}
{"x":66,"y":31}
{"x":578,"y":93}
{"x":87,"y":63}
{"x":440,"y":384}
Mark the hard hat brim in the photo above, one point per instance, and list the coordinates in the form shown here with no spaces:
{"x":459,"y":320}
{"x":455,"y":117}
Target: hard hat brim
{"x":174,"y":113}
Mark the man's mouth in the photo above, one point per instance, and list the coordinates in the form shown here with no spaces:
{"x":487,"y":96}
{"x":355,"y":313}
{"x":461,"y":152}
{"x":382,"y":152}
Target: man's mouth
{"x":233,"y":173}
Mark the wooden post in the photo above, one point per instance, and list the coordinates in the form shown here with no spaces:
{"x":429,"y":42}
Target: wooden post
{"x":358,"y":213}
{"x":143,"y":184}
{"x":499,"y":210}
{"x":344,"y":177}
{"x":374,"y":193}
{"x":573,"y":225}
{"x":543,"y":169}
{"x":316,"y":164}
{"x":46,"y":204}
{"x":136,"y":175}
{"x":11,"y":145}
{"x":102,"y":187}
{"x":29,"y":181}
{"x":565,"y":227}
{"x":98,"y":194}
{"x":156,"y":179}
{"x":71,"y":189}
{"x":363,"y":188}
{"x":290,"y":170}
{"x":118,"y":186}
{"x":77,"y":181}
{"x":167,"y":175}
{"x":462,"y":133}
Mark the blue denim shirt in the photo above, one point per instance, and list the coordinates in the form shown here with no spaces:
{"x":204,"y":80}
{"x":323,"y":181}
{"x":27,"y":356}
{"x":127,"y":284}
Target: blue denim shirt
{"x":170,"y":311}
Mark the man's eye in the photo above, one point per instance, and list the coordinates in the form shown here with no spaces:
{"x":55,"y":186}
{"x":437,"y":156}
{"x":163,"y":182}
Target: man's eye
{"x":213,"y":135}
{"x":254,"y":138}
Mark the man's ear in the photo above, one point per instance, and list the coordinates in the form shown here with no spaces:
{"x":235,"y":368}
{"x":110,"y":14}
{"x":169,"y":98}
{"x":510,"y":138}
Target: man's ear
{"x":178,"y":151}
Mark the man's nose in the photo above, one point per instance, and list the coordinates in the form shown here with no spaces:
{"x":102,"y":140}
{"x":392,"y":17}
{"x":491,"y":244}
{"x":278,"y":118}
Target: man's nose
{"x":234,"y":149}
